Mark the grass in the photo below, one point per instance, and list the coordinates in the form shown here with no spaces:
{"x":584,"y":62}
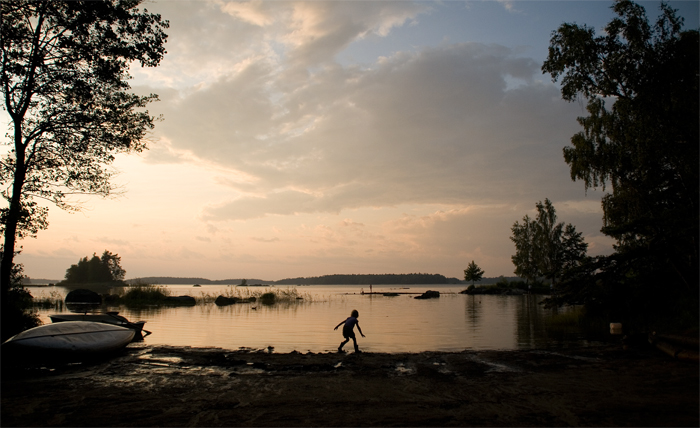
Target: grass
{"x":53,"y":301}
{"x":566,"y":320}
{"x":142,"y":294}
{"x":577,"y":321}
{"x":266,"y":296}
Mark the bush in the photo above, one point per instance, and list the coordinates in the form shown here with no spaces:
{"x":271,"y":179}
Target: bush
{"x":144,"y":294}
{"x":268,"y":298}
{"x":17,"y":314}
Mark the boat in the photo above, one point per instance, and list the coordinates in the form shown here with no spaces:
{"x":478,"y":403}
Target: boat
{"x":106,"y":318}
{"x":72,"y":337}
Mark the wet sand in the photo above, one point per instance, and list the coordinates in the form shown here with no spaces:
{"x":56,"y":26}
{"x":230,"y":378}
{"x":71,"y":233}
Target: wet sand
{"x":167,"y":386}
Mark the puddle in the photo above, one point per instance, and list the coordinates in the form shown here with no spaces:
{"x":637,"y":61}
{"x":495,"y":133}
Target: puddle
{"x":247,"y":371}
{"x":157,"y":360}
{"x":494,"y":367}
{"x":573,"y":357}
{"x":401,"y":369}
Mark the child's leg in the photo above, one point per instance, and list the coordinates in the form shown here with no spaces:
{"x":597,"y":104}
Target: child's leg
{"x":347,"y":339}
{"x":354,"y":342}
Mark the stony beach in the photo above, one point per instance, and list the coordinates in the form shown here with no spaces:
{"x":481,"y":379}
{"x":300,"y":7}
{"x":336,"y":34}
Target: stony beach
{"x":178,"y":386}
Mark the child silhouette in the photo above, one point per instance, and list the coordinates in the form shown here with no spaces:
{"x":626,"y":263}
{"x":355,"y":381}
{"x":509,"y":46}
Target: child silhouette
{"x":348,"y":332}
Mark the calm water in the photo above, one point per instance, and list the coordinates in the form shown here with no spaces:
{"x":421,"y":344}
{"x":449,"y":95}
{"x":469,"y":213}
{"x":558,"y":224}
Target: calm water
{"x":453,"y":322}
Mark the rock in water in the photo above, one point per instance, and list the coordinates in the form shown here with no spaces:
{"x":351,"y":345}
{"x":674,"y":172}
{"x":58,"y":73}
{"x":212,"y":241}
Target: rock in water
{"x":225,"y":301}
{"x":83,"y":295}
{"x":430,"y":294}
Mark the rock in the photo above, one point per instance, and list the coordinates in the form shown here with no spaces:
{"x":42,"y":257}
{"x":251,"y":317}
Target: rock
{"x":181,"y":300}
{"x":83,"y":295}
{"x":430,"y":294}
{"x":225,"y":301}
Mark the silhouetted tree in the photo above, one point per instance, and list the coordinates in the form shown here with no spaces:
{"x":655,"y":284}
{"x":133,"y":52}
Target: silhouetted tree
{"x":64,"y":80}
{"x":473,"y":273}
{"x":96,"y":269}
{"x":545,"y":248}
{"x":525,"y":258}
{"x":18,"y":315}
{"x":639,"y":142}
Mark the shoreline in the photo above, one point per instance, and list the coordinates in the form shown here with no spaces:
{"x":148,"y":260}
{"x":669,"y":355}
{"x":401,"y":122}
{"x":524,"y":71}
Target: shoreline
{"x":182,"y":386}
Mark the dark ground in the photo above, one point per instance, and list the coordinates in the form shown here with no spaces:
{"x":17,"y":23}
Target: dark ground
{"x":166,"y":386}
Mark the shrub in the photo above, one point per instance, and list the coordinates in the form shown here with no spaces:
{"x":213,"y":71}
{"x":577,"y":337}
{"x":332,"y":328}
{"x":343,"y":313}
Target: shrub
{"x":268,"y":298}
{"x":144,"y":294}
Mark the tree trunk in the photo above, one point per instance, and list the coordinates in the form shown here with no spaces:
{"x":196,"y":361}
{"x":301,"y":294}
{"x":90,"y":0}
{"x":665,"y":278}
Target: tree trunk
{"x":13,"y":215}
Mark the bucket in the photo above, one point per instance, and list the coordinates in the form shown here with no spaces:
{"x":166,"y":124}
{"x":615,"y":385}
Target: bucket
{"x":615,"y":328}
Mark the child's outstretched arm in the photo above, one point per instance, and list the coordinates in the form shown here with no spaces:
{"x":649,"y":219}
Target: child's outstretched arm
{"x":341,"y":323}
{"x":359,"y":329}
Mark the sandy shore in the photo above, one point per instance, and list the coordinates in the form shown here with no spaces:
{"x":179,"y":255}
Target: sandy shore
{"x":167,"y":386}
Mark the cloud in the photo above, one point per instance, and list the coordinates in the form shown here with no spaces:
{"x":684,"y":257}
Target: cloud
{"x":265,"y":240}
{"x":293,"y":132}
{"x":439,"y":125}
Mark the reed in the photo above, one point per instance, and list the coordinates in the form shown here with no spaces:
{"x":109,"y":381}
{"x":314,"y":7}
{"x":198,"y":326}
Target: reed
{"x":53,"y":301}
{"x":143,"y":294}
{"x":268,"y":295}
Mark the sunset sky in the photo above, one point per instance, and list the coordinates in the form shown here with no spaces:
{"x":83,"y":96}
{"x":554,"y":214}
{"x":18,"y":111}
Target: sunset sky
{"x":313,"y":138}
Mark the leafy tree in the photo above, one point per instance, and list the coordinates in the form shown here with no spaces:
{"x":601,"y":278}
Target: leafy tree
{"x":96,"y":269}
{"x":17,"y":310}
{"x":113,"y":264}
{"x":473,"y":273}
{"x":525,"y":258}
{"x":640,"y":143}
{"x":545,"y":248}
{"x":64,"y":79}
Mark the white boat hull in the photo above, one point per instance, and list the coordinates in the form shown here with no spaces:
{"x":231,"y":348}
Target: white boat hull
{"x":72,"y":337}
{"x":108,"y":318}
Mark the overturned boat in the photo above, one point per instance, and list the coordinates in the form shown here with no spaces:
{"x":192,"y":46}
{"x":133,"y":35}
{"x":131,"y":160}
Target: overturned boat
{"x":106,"y":318}
{"x":72,"y":337}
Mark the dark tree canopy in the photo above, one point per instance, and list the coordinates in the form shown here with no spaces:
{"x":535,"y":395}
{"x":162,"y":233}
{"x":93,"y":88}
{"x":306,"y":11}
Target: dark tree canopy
{"x":64,"y":81}
{"x":473,"y":272}
{"x":545,"y":248}
{"x":639,"y":141}
{"x":96,"y":270}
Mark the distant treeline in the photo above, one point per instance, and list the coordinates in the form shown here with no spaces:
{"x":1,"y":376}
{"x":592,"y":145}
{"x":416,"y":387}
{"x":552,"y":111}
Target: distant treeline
{"x":318,"y":280}
{"x":189,"y":281}
{"x":410,"y":278}
{"x":39,"y":281}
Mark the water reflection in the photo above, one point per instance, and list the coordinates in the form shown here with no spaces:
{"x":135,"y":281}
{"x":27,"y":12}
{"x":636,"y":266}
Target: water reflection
{"x":401,"y":323}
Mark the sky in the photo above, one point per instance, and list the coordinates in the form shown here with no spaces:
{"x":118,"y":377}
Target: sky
{"x":312,"y":138}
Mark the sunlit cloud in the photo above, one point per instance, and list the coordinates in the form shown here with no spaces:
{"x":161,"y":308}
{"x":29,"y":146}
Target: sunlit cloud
{"x":317,"y":137}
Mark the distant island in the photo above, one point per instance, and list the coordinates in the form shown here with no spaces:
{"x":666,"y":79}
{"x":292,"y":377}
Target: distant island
{"x":190,"y":281}
{"x":362,"y":279}
{"x":336,"y":279}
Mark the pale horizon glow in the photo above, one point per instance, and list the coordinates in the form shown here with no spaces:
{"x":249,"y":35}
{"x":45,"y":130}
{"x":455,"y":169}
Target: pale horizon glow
{"x":315,"y":138}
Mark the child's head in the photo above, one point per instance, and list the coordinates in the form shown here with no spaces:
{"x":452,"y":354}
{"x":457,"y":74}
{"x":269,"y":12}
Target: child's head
{"x":354,"y":313}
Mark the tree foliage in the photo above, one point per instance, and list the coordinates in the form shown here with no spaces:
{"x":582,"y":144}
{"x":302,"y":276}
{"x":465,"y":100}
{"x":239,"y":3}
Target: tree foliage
{"x":473,"y":273}
{"x":96,"y":269}
{"x":545,"y":248}
{"x":18,"y":314}
{"x":64,"y":80}
{"x":639,"y":142}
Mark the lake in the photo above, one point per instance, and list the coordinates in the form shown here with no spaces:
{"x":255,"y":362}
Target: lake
{"x":452,"y":322}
